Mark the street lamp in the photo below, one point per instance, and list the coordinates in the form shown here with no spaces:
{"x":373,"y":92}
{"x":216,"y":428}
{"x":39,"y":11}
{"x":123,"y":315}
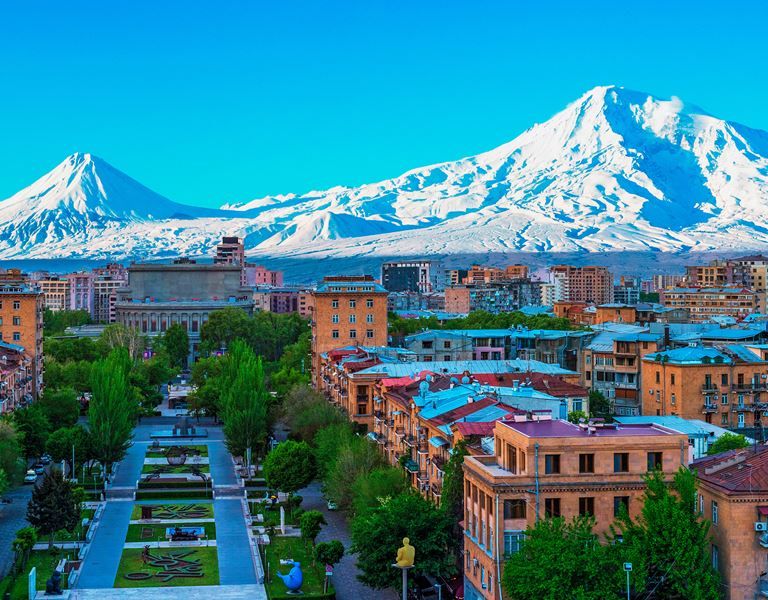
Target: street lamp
{"x":627,"y":569}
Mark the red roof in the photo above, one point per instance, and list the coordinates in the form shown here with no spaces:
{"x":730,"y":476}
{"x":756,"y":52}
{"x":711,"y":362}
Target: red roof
{"x":742,"y":471}
{"x":555,"y":386}
{"x":482,"y":429}
{"x":463,"y":411}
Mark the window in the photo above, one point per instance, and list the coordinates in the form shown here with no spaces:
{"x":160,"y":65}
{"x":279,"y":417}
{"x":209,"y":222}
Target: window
{"x":658,"y":377}
{"x":369,"y":318}
{"x":514,"y":509}
{"x":16,"y":336}
{"x":334,"y":304}
{"x":621,"y":462}
{"x":369,"y":303}
{"x":17,"y":320}
{"x":672,"y":379}
{"x":426,"y":345}
{"x":552,"y":507}
{"x":352,"y":303}
{"x":724,"y":419}
{"x":724,"y":378}
{"x":715,"y":558}
{"x":353,"y":318}
{"x":334,"y":318}
{"x":353,"y":333}
{"x":335,"y":334}
{"x":586,"y":463}
{"x":714,"y":512}
{"x":551,"y":463}
{"x":512,"y":542}
{"x":447,"y":345}
{"x":618,"y":502}
{"x":16,"y":305}
{"x":701,"y":504}
{"x":446,"y":357}
{"x":586,"y":506}
{"x":724,"y":398}
{"x":655,"y":460}
{"x":673,"y":399}
{"x":369,"y":333}
{"x":577,"y":405}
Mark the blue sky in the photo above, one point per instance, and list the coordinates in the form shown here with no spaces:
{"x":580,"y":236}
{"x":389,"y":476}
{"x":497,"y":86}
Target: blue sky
{"x":227,"y":101}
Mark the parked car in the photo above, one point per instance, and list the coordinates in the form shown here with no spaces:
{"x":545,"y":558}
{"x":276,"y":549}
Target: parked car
{"x":331,"y":505}
{"x":30,"y":477}
{"x":45,"y":459}
{"x":39,"y":468}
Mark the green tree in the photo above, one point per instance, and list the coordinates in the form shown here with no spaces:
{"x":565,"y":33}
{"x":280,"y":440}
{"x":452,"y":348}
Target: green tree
{"x":328,"y":443}
{"x":310,"y":524}
{"x":599,"y":405}
{"x":728,"y":441}
{"x":22,"y":545}
{"x":669,"y":542}
{"x":290,"y":466}
{"x":378,"y":533}
{"x":53,"y":506}
{"x":33,"y":426}
{"x":112,"y":410}
{"x":224,"y":327}
{"x":357,"y":456}
{"x":329,"y":553}
{"x":56,"y":322}
{"x":207,"y":380}
{"x":11,"y":462}
{"x":575,"y":415}
{"x":558,"y":555}
{"x":61,"y":442}
{"x":119,"y":336}
{"x":452,"y":501}
{"x":372,"y":489}
{"x":244,"y":400}
{"x":176,"y":343}
{"x":61,"y":407}
{"x":306,"y":412}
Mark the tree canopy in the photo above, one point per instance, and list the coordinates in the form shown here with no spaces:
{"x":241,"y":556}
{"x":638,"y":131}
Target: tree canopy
{"x":728,"y":441}
{"x":53,"y":506}
{"x":290,"y":466}
{"x":175,"y":340}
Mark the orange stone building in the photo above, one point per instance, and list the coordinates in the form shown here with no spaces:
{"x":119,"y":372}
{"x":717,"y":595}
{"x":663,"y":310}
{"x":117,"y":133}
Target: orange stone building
{"x":733,"y":495}
{"x":347,"y":310}
{"x":704,"y":303}
{"x":582,"y":284}
{"x":21,"y":325}
{"x":545,"y":468}
{"x":727,"y":384}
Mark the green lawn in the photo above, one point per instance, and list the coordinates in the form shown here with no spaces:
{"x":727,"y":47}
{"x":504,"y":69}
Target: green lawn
{"x":186,"y":469}
{"x":201,"y":510}
{"x":291,"y":547}
{"x":272,"y":516}
{"x":196,"y":566}
{"x":150,"y":533}
{"x":160,"y":452}
{"x":44,"y":562}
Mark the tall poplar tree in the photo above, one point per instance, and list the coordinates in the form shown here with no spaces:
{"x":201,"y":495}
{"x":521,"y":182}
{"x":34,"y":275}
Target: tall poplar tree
{"x":113,"y":407}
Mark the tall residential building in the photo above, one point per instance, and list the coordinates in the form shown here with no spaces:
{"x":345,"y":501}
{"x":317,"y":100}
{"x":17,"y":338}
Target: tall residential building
{"x":661,"y":282}
{"x":705,"y":303}
{"x":715,"y":274}
{"x":582,"y":284}
{"x":541,"y":468}
{"x":105,"y":297}
{"x":21,"y":325}
{"x":81,"y":291}
{"x":230,"y":251}
{"x":407,"y":276}
{"x":494,"y":298}
{"x":56,"y":292}
{"x":727,"y":384}
{"x":256,"y":275}
{"x":347,"y":310}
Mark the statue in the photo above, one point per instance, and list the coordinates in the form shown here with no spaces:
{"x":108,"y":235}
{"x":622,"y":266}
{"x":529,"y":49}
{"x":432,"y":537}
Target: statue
{"x":53,"y":585}
{"x":293,"y":579}
{"x":406,"y":555}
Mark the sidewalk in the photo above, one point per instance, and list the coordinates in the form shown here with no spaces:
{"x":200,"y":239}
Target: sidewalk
{"x":234,"y":550}
{"x":100,"y":566}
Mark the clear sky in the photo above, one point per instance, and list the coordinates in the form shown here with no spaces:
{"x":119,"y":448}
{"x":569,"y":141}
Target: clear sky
{"x":209,"y":102}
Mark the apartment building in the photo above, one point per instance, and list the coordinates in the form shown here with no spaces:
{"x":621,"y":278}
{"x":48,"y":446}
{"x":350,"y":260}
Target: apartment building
{"x":55,"y":292}
{"x":17,"y":376}
{"x":727,"y":384}
{"x":21,"y":326}
{"x":347,"y":310}
{"x":479,"y":275}
{"x":660,"y":282}
{"x":718,"y":273}
{"x":582,"y":284}
{"x":445,"y":345}
{"x":612,"y":366}
{"x":703,"y":304}
{"x":494,"y":298}
{"x":230,"y":251}
{"x":733,"y":495}
{"x":408,"y":276}
{"x":541,"y":468}
{"x":259,"y":276}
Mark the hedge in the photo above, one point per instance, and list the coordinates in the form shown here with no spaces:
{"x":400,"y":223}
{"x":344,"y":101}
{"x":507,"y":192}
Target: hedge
{"x":171,"y":494}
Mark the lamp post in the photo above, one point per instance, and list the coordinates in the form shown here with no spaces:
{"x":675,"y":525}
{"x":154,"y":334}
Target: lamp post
{"x":627,"y":569}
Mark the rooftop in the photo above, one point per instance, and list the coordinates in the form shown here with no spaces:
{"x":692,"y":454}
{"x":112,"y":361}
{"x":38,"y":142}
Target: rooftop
{"x":742,"y":471}
{"x":691,"y":427}
{"x":694,"y":355}
{"x":405,"y":369}
{"x":565,"y":429}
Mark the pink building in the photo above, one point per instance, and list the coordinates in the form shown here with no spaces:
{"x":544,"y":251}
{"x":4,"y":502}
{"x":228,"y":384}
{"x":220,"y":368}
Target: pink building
{"x":81,"y":291}
{"x":258,"y":275}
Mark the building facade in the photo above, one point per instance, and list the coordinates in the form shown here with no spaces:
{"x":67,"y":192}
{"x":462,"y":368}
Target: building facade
{"x":582,"y":284}
{"x":21,"y":327}
{"x":705,"y":303}
{"x":407,"y":276}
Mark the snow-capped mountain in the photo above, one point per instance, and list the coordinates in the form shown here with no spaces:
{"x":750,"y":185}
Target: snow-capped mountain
{"x":615,"y":170}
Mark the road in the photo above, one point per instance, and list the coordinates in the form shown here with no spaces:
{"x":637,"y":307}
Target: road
{"x":12,"y":518}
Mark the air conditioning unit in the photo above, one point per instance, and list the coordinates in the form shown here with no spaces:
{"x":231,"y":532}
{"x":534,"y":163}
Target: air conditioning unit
{"x":761,"y":526}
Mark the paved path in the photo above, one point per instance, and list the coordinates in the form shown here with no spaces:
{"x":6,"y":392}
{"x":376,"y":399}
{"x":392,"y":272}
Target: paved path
{"x":241,"y":592}
{"x":345,"y":575}
{"x":220,"y":463}
{"x":12,"y":518}
{"x":129,"y":470}
{"x":103,"y":558}
{"x":232,"y":546}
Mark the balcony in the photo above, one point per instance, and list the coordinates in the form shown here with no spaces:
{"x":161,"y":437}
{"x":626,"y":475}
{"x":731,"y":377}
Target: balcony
{"x":409,"y":440}
{"x":709,"y":388}
{"x":749,"y":386}
{"x":422,"y":448}
{"x":422,"y":477}
{"x":437,"y":490}
{"x":400,"y":432}
{"x":710,"y":408}
{"x":411,"y":466}
{"x":439,"y":463}
{"x":742,"y":408}
{"x":378,"y":415}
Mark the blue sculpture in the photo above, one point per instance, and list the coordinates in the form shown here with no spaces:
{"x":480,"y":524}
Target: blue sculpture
{"x":293,"y":579}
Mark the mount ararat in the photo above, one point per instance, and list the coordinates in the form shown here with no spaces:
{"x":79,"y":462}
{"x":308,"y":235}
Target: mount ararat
{"x":616,"y":170}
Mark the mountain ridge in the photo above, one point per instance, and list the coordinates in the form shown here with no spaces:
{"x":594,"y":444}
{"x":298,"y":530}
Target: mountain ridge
{"x":615,"y":170}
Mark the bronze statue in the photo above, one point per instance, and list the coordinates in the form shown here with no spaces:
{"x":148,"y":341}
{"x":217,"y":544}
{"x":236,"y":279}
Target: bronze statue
{"x":53,"y":585}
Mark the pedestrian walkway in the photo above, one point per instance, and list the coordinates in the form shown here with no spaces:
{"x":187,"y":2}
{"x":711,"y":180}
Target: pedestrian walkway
{"x":130,"y":467}
{"x":221,"y":465}
{"x":233,"y":547}
{"x":241,"y":592}
{"x":103,"y":558}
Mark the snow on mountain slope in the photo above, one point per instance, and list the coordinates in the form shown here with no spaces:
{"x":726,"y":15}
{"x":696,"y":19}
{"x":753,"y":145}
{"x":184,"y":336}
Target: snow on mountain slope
{"x":615,"y":170}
